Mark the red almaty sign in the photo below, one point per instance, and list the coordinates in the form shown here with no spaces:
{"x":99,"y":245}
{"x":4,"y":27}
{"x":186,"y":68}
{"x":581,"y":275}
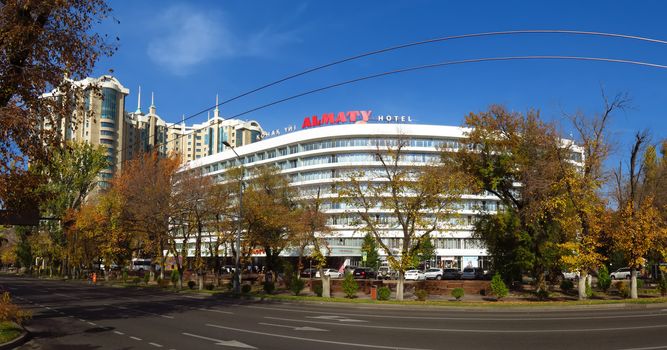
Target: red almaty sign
{"x":356,"y":117}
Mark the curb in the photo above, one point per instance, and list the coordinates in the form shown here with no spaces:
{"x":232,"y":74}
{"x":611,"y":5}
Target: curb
{"x":16,"y":342}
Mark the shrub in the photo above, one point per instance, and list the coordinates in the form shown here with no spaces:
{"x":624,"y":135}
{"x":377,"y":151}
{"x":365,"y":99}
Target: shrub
{"x":269,"y":287}
{"x":288,"y":275}
{"x":623,"y":289}
{"x":350,"y":286}
{"x":147,"y":278}
{"x":542,"y":294}
{"x":662,"y":285}
{"x":175,"y":276}
{"x":297,"y":286}
{"x":318,"y":289}
{"x":10,"y":311}
{"x":421,"y":294}
{"x":192,"y":284}
{"x":588,"y":291}
{"x":136,"y":280}
{"x":498,"y":287}
{"x":566,"y":286}
{"x":209,"y":286}
{"x":458,"y":293}
{"x":246,"y":288}
{"x":383,"y":293}
{"x":640,"y":283}
{"x":124,"y":275}
{"x":604,"y":280}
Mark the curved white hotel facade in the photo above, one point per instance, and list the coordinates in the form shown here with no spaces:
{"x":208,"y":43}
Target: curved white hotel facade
{"x":316,"y":157}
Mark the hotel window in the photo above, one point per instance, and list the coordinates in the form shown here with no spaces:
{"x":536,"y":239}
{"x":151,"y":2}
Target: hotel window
{"x":294,"y":149}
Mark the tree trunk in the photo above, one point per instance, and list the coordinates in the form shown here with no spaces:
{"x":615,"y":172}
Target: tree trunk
{"x":399,"y":285}
{"x":633,"y":284}
{"x":200,"y":280}
{"x":582,"y":285}
{"x":326,"y":286}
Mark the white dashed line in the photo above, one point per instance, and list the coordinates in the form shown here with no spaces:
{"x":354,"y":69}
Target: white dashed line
{"x":156,"y":345}
{"x":135,"y":338}
{"x":82,"y":320}
{"x":119,"y":332}
{"x":218,"y":311}
{"x":92,"y":324}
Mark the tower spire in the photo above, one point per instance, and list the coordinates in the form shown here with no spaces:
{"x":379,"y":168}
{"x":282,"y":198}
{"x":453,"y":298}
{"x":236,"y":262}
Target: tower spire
{"x":216,"y":112}
{"x":152,"y":107}
{"x":139,"y":101}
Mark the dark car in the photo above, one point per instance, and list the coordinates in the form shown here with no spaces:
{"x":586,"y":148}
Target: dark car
{"x":472,"y":273}
{"x":364,"y":272}
{"x":308,"y":273}
{"x":451,"y":274}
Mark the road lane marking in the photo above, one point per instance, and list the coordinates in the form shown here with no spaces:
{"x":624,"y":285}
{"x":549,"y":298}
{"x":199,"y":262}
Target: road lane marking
{"x":312,"y":340}
{"x":119,"y":332}
{"x":156,"y":345}
{"x":297,"y":328}
{"x":65,"y":295}
{"x":145,"y":312}
{"x":135,"y":338}
{"x":463,"y":330}
{"x":230,"y":343}
{"x":647,"y":348}
{"x":336,"y":318}
{"x":215,"y":310}
{"x":82,"y":320}
{"x":92,"y":323}
{"x":461,"y":318}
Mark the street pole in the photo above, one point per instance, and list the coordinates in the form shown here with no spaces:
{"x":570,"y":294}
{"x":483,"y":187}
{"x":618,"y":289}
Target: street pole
{"x":237,"y":267}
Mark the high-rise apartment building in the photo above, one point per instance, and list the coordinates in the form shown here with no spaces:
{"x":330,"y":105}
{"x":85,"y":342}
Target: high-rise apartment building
{"x":205,"y":139}
{"x":125,"y":135}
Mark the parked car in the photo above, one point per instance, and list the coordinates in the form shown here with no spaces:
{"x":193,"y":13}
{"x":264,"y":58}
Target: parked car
{"x":433,"y":274}
{"x":622,"y":273}
{"x":414,"y":275}
{"x":571,"y":275}
{"x":451,"y":274}
{"x":386,"y":273}
{"x":472,"y":273}
{"x":140,"y":265}
{"x":333,"y":273}
{"x":308,"y":273}
{"x":364,"y":272}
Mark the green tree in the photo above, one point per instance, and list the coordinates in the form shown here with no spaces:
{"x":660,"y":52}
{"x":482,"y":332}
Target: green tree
{"x":369,"y":246}
{"x":350,"y":286}
{"x":72,"y":172}
{"x":500,"y":151}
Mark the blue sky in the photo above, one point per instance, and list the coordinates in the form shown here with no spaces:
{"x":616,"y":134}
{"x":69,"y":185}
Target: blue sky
{"x":186,"y":52}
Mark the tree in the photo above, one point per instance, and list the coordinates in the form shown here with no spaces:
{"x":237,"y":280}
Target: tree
{"x":72,"y":175}
{"x":637,"y":227}
{"x":311,"y":230}
{"x":419,"y":198}
{"x":269,"y":213}
{"x":145,"y":187}
{"x":42,"y":41}
{"x":370,"y":248}
{"x":513,"y":157}
{"x":583,"y":210}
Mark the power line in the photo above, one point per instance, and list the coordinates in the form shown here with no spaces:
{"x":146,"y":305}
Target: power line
{"x":418,"y":43}
{"x":436,"y":65}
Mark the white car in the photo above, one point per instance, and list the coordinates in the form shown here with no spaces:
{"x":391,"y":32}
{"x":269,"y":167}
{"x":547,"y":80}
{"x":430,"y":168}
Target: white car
{"x":333,"y":273}
{"x":571,"y":275}
{"x":622,"y":273}
{"x":433,"y":274}
{"x":414,"y":275}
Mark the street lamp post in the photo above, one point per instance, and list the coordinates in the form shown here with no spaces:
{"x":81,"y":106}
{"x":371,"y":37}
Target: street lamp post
{"x":237,"y":268}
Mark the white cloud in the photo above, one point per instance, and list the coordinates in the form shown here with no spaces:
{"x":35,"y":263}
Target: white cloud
{"x":187,"y":37}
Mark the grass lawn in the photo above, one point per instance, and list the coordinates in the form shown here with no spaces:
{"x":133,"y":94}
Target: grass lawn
{"x":8,"y":331}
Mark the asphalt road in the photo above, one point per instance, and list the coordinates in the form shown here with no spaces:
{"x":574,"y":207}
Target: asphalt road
{"x":74,"y":316}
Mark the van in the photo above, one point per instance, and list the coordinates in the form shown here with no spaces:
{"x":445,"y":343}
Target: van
{"x":140,"y":264}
